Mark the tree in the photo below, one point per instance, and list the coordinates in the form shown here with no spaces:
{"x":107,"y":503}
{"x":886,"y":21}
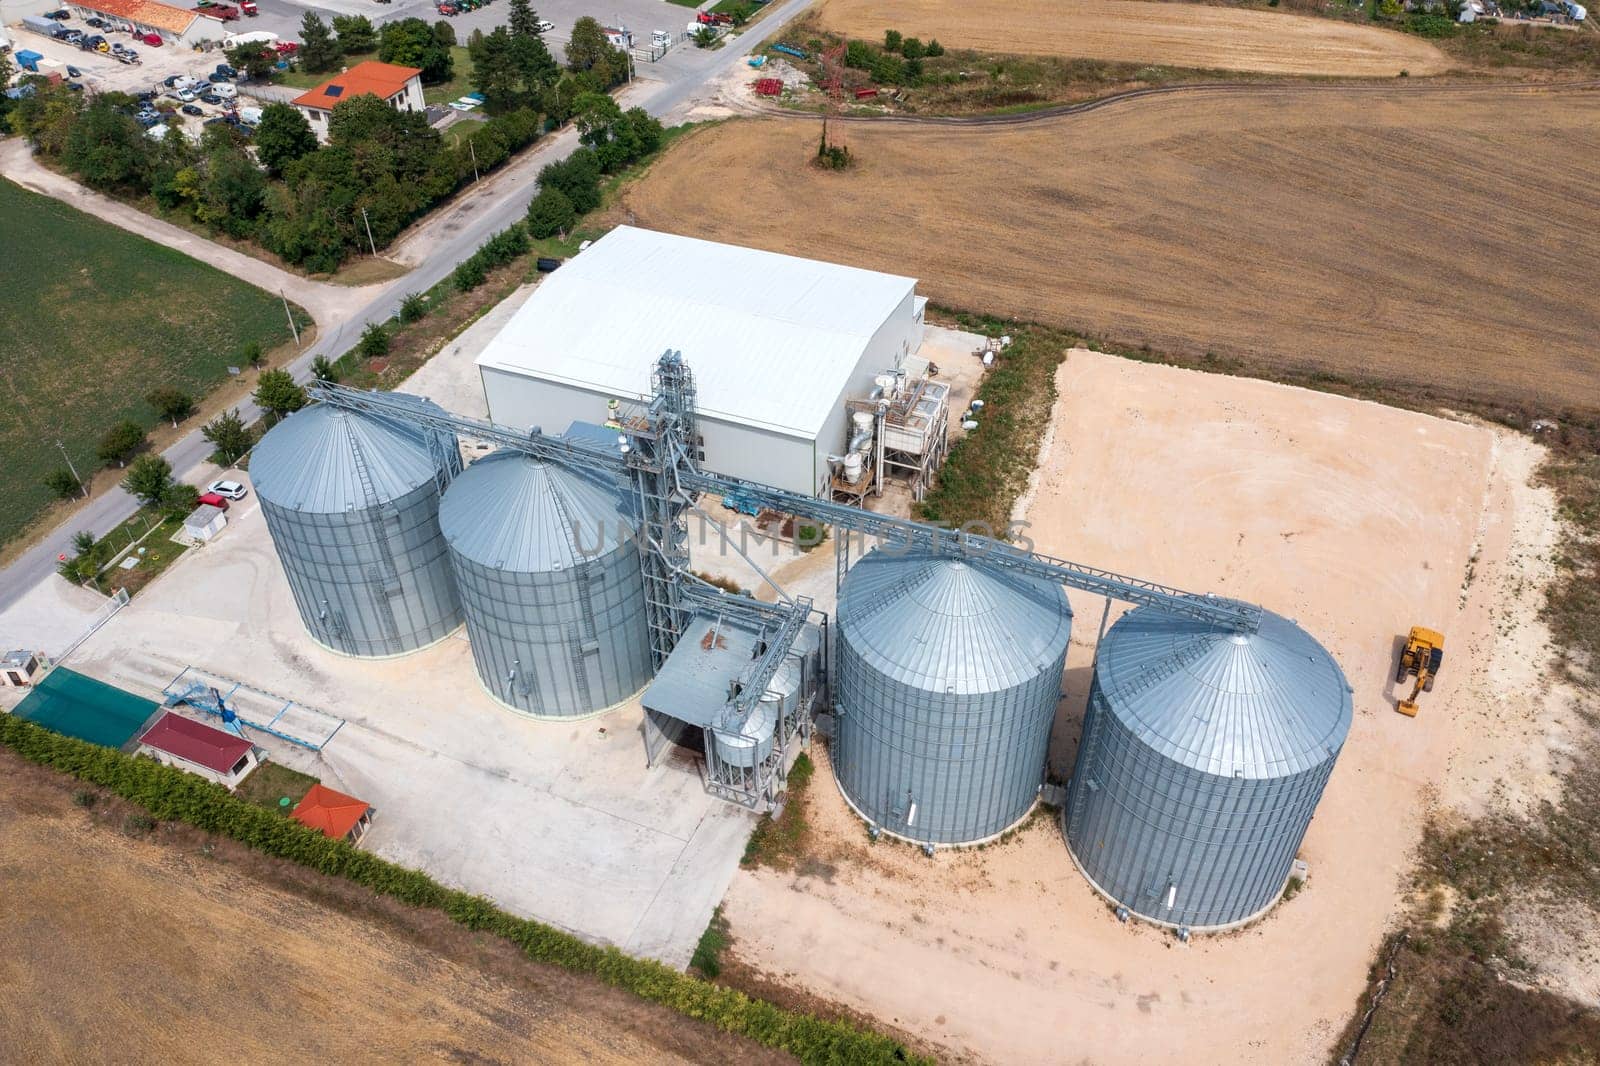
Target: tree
{"x":62,"y":482}
{"x":594,"y":114}
{"x":322,"y":369}
{"x":892,"y":40}
{"x":912,"y":48}
{"x":120,"y":441}
{"x":412,"y":43}
{"x":231,"y":438}
{"x":109,"y":150}
{"x":705,"y":37}
{"x":444,"y":33}
{"x":277,"y":394}
{"x":251,"y":60}
{"x":171,"y":405}
{"x":282,"y":136}
{"x":180,"y":500}
{"x":590,"y":50}
{"x":374,"y":340}
{"x":494,"y":71}
{"x":578,"y":178}
{"x":550,"y":213}
{"x":319,"y":51}
{"x":149,"y":480}
{"x":523,"y":20}
{"x":357,"y":35}
{"x":233,"y":190}
{"x":934,"y":49}
{"x":252,"y":354}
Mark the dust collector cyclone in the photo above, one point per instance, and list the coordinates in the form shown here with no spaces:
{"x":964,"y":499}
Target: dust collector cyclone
{"x":949,"y":672}
{"x":1204,"y":755}
{"x":548,"y":569}
{"x":352,"y":503}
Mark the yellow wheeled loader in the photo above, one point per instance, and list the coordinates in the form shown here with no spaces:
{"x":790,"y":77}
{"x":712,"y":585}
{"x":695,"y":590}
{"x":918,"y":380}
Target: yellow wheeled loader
{"x":1423,"y":653}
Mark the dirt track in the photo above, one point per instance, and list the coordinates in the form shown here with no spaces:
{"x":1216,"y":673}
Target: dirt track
{"x":118,"y":949}
{"x":1135,"y":31}
{"x":1441,"y":239}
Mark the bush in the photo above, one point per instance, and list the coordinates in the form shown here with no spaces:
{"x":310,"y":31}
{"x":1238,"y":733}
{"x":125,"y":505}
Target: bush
{"x":374,"y":340}
{"x":180,"y":500}
{"x":892,"y":40}
{"x":171,"y":405}
{"x":62,"y":482}
{"x":934,"y":49}
{"x":119,"y":442}
{"x":230,"y":436}
{"x":470,"y":273}
{"x":413,"y":306}
{"x":84,"y":797}
{"x":550,"y":213}
{"x":912,"y":48}
{"x":170,"y":794}
{"x":323,"y":369}
{"x":578,"y":178}
{"x":251,"y":354}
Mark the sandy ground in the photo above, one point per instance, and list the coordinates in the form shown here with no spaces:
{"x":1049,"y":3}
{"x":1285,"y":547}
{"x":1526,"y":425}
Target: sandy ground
{"x":1287,"y":497}
{"x":1283,"y":227}
{"x":121,"y":950}
{"x":1180,"y":35}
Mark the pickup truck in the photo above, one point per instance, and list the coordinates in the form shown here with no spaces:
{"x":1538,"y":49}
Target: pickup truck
{"x":225,"y":12}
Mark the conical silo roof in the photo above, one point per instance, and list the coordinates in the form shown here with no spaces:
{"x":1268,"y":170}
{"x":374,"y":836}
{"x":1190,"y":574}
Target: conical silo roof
{"x":1266,"y":704}
{"x":309,"y":461}
{"x":951,"y":625}
{"x":511,"y":512}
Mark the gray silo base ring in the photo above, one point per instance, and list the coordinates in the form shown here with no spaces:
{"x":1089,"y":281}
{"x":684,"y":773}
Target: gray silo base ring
{"x":1147,"y":919}
{"x":556,"y":719}
{"x":975,"y":842}
{"x":381,"y":658}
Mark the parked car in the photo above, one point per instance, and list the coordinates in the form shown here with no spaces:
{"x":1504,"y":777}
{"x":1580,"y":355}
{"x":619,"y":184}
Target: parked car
{"x":73,"y":72}
{"x":170,"y":80}
{"x":72,"y":36}
{"x":97,"y":23}
{"x":185,"y":95}
{"x":145,"y":96}
{"x":148,"y":118}
{"x":96,"y":43}
{"x":214,"y":500}
{"x":217,"y":77}
{"x":227,"y":71}
{"x":75,"y":86}
{"x":545,"y":25}
{"x":191,"y":109}
{"x":226,"y":91}
{"x":209,"y":97}
{"x":59,"y":16}
{"x":151,"y":39}
{"x":231,"y":489}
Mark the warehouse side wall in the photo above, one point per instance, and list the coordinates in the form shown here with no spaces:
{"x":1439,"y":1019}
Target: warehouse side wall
{"x":741,"y":451}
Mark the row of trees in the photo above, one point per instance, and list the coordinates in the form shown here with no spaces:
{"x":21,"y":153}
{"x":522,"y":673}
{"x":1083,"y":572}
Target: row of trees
{"x":513,"y":69}
{"x":409,"y":42}
{"x":612,"y":139}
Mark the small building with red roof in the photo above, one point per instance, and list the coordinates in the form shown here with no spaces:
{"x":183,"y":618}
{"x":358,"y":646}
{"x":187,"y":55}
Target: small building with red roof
{"x":213,"y":753}
{"x":173,"y":24}
{"x":334,"y":814}
{"x":399,"y":87}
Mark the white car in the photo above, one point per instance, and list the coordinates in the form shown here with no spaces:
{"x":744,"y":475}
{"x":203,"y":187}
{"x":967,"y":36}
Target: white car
{"x":545,"y":25}
{"x":184,"y":95}
{"x":229,"y":490}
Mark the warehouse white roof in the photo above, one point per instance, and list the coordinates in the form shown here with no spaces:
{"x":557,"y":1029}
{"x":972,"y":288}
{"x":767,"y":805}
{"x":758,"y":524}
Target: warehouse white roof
{"x":772,"y":339}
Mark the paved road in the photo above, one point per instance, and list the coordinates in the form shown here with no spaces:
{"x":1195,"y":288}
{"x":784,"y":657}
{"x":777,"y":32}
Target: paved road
{"x":666,"y":89}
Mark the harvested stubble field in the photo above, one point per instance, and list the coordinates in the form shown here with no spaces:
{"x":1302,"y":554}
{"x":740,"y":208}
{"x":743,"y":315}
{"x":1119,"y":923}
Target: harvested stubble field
{"x":1137,"y":31}
{"x":1436,"y":239}
{"x":168,"y":947}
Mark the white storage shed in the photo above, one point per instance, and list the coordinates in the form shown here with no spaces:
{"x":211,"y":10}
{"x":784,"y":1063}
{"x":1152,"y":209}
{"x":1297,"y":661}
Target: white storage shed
{"x":777,"y":345}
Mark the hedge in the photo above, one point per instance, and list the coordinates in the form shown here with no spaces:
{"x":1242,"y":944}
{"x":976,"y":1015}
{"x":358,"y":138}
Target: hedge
{"x":173,"y":795}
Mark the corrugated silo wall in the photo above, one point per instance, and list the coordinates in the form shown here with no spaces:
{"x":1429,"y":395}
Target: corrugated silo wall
{"x":1139,"y":822}
{"x":972,"y":764}
{"x":576,"y":638}
{"x":351,"y":598}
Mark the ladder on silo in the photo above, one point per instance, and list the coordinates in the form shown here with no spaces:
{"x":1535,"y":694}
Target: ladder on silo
{"x":383,"y":578}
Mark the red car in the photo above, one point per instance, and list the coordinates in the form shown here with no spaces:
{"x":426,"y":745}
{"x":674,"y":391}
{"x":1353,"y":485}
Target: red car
{"x":151,"y":39}
{"x":214,"y":500}
{"x":286,"y":48}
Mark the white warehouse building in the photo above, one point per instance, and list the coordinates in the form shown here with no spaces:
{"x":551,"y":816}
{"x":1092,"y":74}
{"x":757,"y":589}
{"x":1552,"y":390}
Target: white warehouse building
{"x":777,"y":345}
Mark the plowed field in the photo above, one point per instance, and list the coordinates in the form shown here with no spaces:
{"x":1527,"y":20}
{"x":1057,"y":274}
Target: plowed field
{"x":1430,"y":238}
{"x":1135,"y":31}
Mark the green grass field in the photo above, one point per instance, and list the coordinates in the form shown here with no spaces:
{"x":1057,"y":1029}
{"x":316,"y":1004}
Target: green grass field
{"x":92,"y":318}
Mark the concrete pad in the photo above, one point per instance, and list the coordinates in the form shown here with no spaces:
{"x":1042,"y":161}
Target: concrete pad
{"x":50,"y":616}
{"x":562,"y":822}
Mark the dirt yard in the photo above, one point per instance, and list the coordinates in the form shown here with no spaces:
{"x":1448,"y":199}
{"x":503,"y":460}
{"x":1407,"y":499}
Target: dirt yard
{"x":166,"y":949}
{"x":1356,"y":519}
{"x":1181,"y":35}
{"x":1433,"y":239}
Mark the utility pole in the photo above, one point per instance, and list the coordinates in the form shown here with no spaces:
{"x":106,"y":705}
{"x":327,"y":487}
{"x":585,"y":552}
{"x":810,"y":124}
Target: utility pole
{"x":370,"y":242}
{"x":81,"y":487}
{"x":472,"y":148}
{"x":292,"y":327}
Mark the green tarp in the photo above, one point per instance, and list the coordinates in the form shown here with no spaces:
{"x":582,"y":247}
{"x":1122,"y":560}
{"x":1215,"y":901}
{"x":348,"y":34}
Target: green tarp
{"x":82,"y":707}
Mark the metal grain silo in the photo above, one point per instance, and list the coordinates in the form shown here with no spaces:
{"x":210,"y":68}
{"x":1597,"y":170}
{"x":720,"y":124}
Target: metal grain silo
{"x":352,"y":502}
{"x":1203,"y":758}
{"x":548,"y":569}
{"x":949,"y":672}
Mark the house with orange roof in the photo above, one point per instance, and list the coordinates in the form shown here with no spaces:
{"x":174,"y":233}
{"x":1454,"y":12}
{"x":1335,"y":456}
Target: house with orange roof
{"x":333,"y":813}
{"x":174,"y":25}
{"x":400,"y":87}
